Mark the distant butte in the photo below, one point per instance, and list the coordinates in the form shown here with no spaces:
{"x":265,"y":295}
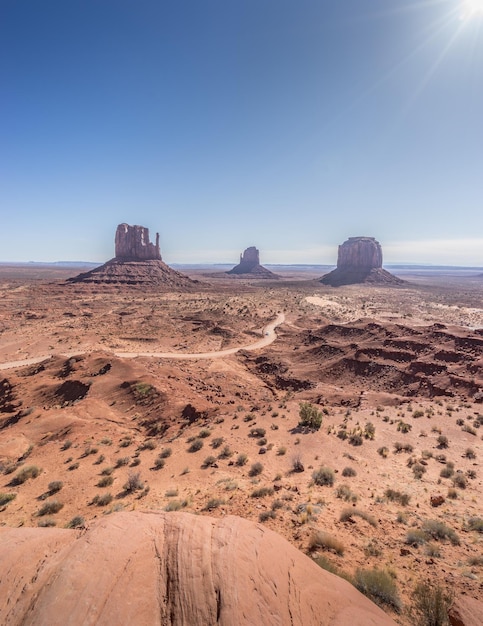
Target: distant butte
{"x":360,"y":261}
{"x":250,"y":267}
{"x":137,"y":262}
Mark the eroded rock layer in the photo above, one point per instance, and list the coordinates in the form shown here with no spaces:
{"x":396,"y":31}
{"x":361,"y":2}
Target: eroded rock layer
{"x":171,"y":569}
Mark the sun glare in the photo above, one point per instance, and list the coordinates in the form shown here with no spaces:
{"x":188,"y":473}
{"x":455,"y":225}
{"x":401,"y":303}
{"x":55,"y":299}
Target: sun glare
{"x":472,"y":8}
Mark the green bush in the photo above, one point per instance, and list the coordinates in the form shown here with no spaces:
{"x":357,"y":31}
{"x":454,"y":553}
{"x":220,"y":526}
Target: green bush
{"x":379,"y":586}
{"x":439,"y":531}
{"x":310,"y":417}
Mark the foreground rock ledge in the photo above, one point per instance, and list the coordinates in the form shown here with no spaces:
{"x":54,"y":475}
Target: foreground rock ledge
{"x":170,"y":568}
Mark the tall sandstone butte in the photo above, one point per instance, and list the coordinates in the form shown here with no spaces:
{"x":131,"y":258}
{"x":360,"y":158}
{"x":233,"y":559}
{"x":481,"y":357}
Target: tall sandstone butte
{"x":132,"y":244}
{"x":137,"y":262}
{"x":359,"y":261}
{"x":249,"y":265}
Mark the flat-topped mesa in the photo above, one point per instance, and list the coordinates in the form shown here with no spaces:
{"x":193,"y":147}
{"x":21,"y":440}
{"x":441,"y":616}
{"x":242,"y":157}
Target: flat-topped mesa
{"x":250,"y":265}
{"x":359,"y":261}
{"x":360,"y":252}
{"x":132,"y":244}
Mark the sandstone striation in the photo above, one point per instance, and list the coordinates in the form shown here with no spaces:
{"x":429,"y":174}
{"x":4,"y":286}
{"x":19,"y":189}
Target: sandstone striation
{"x":137,"y":262}
{"x":171,"y":569}
{"x":250,"y":267}
{"x":359,"y":261}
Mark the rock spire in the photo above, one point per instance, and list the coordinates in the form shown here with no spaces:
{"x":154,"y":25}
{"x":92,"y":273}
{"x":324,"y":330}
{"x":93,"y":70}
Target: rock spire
{"x":250,"y":267}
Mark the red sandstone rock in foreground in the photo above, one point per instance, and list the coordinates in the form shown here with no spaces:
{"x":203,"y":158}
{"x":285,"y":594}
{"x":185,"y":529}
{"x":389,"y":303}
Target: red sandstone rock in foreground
{"x":137,"y":262}
{"x":170,"y":568}
{"x":250,"y":265}
{"x":359,"y":261}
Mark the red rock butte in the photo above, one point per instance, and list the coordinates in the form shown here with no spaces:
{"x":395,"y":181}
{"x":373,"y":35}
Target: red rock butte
{"x":249,"y":266}
{"x":360,"y":261}
{"x":170,"y":569}
{"x":137,"y":262}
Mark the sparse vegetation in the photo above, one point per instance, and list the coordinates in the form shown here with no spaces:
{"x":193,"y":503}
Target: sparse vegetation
{"x":195,"y":445}
{"x":321,"y":540}
{"x":5,"y":498}
{"x":323,"y":477}
{"x":49,"y":508}
{"x":256,"y":469}
{"x":379,"y":586}
{"x":348,"y":514}
{"x":430,"y":605}
{"x":310,"y":416}
{"x":396,"y":496}
{"x":349,"y":472}
{"x":31,"y":471}
{"x":261,"y":492}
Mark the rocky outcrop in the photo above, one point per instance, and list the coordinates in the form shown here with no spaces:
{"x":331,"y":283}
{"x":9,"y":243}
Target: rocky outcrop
{"x":359,"y":261}
{"x":132,"y":244}
{"x":137,"y":262}
{"x":250,"y":267}
{"x":170,"y":569}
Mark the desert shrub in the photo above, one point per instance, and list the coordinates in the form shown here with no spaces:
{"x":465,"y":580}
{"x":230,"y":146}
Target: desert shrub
{"x":452,"y":493}
{"x":196,"y":445}
{"x":261,"y":492}
{"x":159,"y":462}
{"x":379,"y":586}
{"x":166,"y":453}
{"x":281,"y":451}
{"x":124,"y":460}
{"x":213,"y":503}
{"x":417,"y":414}
{"x":5,"y":498}
{"x":226,"y":453}
{"x":342,"y":434}
{"x":256,"y":469}
{"x":310,"y":416}
{"x":47,"y":522}
{"x":369,"y":430}
{"x":171,"y":493}
{"x":261,"y":442}
{"x":403,"y":427}
{"x":467,"y":429}
{"x":124,"y":443}
{"x":324,"y":476}
{"x":133,"y":483}
{"x":447,"y":471}
{"x":241,"y":459}
{"x":277,"y":504}
{"x":321,"y":540}
{"x":430,"y":605}
{"x":55,"y":486}
{"x":459,"y":480}
{"x":355,"y":439}
{"x":418,"y":470}
{"x":102,"y":500}
{"x":344,"y":493}
{"x":107,"y":471}
{"x":204,"y":433}
{"x":432,"y":550}
{"x":442,"y":441}
{"x":175,"y":505}
{"x":470,"y":453}
{"x":216,"y":442}
{"x":76,"y":522}
{"x":348,"y":514}
{"x":439,"y":531}
{"x":266,"y":515}
{"x":105,"y":481}
{"x":297,"y":465}
{"x":99,"y":460}
{"x":49,"y":508}
{"x":208,"y":462}
{"x":66,"y":445}
{"x":31,"y":471}
{"x":136,"y":461}
{"x":476,"y":523}
{"x":348,"y":472}
{"x":73,"y":467}
{"x":149,"y":444}
{"x":383,"y":452}
{"x":415,"y":537}
{"x":257,"y":432}
{"x":397,"y":496}
{"x":475,"y":561}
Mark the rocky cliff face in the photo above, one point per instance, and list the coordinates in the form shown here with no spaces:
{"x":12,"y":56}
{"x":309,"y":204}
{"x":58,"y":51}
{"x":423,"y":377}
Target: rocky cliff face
{"x":132,"y":244}
{"x":359,"y":261}
{"x":360,"y":252}
{"x":250,"y":265}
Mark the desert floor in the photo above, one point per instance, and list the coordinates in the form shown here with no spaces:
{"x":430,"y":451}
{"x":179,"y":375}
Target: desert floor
{"x":397,"y":374}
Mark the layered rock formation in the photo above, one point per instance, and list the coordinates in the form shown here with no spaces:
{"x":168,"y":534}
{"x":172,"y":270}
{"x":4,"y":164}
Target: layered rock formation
{"x":137,"y":262}
{"x":359,"y":261}
{"x":170,"y":569}
{"x":132,"y":244}
{"x":250,"y":267}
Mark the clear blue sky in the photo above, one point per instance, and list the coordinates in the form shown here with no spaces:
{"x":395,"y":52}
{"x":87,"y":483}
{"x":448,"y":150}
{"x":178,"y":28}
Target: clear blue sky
{"x":286,"y":124}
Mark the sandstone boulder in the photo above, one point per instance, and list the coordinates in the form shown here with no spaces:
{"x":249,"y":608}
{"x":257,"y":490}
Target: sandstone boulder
{"x":170,"y":569}
{"x":359,"y":260}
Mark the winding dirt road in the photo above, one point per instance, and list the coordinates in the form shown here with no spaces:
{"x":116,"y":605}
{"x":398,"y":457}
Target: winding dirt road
{"x":269,"y":336}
